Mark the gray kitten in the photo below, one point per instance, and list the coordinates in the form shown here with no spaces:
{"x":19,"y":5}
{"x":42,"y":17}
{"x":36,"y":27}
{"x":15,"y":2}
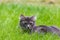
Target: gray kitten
{"x":28,"y":25}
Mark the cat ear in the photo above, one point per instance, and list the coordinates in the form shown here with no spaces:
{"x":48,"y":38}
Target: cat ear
{"x":22,"y":16}
{"x":33,"y":18}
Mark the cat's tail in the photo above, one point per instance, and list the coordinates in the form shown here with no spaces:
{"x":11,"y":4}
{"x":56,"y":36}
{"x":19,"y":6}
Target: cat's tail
{"x":55,"y":30}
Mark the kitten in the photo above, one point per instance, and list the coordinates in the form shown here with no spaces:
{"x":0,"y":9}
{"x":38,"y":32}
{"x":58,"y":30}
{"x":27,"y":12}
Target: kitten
{"x":28,"y":25}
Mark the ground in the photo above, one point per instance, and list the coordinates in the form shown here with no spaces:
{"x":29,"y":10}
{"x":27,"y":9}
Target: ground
{"x":9,"y":20}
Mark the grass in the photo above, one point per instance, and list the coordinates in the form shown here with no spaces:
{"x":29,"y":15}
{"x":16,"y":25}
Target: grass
{"x":9,"y":20}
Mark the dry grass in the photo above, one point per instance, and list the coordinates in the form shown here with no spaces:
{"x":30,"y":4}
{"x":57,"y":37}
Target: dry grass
{"x":31,"y":1}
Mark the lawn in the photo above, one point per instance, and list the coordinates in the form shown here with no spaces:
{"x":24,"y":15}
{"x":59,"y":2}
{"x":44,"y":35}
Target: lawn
{"x":9,"y":20}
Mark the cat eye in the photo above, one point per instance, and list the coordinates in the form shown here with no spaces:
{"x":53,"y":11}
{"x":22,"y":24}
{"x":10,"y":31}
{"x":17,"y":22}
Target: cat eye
{"x":25,"y":23}
{"x":31,"y":23}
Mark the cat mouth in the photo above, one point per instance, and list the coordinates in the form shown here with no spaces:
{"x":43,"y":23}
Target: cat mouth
{"x":28,"y":28}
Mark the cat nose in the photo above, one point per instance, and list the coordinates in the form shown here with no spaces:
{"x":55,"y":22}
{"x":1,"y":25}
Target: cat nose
{"x":28,"y":25}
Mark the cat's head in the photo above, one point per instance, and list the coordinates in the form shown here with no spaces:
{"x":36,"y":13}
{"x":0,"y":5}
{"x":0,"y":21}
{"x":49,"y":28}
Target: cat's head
{"x":27,"y":22}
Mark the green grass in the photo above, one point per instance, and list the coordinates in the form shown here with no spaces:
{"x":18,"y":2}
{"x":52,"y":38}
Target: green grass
{"x":9,"y":20}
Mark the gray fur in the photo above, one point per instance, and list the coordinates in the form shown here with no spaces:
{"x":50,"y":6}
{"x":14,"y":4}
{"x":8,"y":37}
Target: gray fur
{"x":28,"y":24}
